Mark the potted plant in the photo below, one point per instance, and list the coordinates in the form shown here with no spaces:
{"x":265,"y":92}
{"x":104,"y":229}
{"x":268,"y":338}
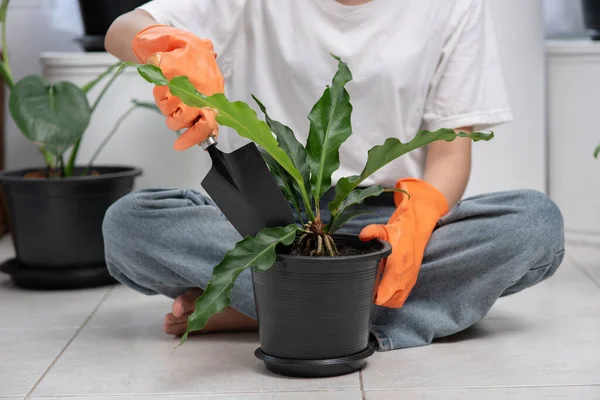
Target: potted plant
{"x":55,"y":212}
{"x":314,"y":288}
{"x":97,"y":16}
{"x":591,"y":17}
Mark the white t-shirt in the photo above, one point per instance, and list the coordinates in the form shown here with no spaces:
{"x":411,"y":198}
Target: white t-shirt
{"x":417,"y":64}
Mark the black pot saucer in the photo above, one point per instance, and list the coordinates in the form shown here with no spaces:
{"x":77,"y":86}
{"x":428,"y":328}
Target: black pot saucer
{"x":316,"y":368}
{"x":48,"y":278}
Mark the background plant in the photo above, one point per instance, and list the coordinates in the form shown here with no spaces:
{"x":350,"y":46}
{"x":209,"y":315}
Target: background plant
{"x":55,"y":116}
{"x":304,"y":173}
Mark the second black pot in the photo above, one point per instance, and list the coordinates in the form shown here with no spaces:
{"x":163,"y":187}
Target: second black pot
{"x":56,"y":226}
{"x":98,"y":15}
{"x":314,"y":313}
{"x":591,"y":15}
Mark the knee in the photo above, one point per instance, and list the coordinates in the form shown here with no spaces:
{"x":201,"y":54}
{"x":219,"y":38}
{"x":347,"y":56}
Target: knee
{"x":118,"y":230}
{"x":538,"y":226}
{"x":117,"y":219}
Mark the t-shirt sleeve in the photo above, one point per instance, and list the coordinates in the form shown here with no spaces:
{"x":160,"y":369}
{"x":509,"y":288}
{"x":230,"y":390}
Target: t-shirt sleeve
{"x":217,"y":20}
{"x":468,"y":87}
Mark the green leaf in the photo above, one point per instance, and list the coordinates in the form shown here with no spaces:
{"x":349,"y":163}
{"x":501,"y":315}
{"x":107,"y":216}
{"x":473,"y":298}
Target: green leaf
{"x":151,"y":74}
{"x":330,"y":126}
{"x":381,"y":155}
{"x":344,"y":217}
{"x":237,"y":115}
{"x":54,"y":116}
{"x":283,"y":179}
{"x":258,"y":252}
{"x":597,"y":152}
{"x":357,"y":196}
{"x":288,"y":142}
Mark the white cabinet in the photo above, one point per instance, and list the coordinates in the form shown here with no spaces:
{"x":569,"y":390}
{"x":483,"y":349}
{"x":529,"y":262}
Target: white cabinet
{"x":574,"y":132}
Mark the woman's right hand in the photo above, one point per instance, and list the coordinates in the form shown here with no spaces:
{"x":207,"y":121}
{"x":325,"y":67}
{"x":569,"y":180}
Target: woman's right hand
{"x":180,"y":53}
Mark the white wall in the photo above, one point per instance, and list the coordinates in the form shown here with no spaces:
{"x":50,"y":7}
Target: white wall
{"x":516,"y":157}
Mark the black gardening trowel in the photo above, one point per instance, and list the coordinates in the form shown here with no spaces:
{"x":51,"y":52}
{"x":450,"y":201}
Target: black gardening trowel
{"x":243,"y":188}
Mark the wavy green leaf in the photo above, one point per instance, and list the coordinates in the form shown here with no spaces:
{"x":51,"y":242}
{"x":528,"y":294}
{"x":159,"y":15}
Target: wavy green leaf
{"x":237,"y":115}
{"x":381,"y":155}
{"x":252,"y":252}
{"x":344,"y":217}
{"x":330,"y":126}
{"x":288,"y":142}
{"x":597,"y":152}
{"x":150,"y":73}
{"x":54,"y":116}
{"x":357,"y":196}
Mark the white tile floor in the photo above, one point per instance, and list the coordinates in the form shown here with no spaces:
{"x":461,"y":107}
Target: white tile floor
{"x":107,"y":344}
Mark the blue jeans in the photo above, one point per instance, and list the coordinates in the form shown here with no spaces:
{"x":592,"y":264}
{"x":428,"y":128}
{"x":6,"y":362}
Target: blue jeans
{"x":488,"y":246}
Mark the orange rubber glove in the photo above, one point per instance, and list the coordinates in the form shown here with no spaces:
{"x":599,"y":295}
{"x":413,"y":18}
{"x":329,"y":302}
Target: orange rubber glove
{"x":180,"y":53}
{"x":408,"y":231}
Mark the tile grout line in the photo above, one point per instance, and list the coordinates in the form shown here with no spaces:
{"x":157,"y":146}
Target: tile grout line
{"x":362,"y":385}
{"x":582,"y":269}
{"x":89,"y":317}
{"x":475,"y":388}
{"x":420,"y":389}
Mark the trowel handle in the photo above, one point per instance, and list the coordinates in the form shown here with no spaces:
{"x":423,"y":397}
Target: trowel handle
{"x":211,"y":140}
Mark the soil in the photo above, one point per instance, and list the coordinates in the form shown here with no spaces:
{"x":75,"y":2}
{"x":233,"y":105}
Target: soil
{"x":343,"y":250}
{"x":41,"y":174}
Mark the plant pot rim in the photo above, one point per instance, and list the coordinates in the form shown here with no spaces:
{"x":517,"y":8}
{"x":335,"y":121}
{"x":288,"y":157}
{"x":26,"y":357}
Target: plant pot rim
{"x":17,"y":175}
{"x":385,"y":250}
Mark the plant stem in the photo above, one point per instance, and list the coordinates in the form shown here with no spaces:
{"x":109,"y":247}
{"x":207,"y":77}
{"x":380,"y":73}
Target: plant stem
{"x":90,"y":85}
{"x":299,"y":211}
{"x":106,"y":87}
{"x":307,"y":203}
{"x":5,"y":69}
{"x":114,"y":130}
{"x":317,"y":209}
{"x":61,"y":164}
{"x":75,"y":150}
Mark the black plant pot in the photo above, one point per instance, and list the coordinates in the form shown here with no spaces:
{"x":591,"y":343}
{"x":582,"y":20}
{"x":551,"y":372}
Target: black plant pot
{"x":591,"y":15}
{"x":98,"y":15}
{"x":56,"y":226}
{"x":315,"y":313}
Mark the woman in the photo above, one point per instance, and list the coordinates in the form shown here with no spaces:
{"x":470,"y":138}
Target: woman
{"x":417,"y":64}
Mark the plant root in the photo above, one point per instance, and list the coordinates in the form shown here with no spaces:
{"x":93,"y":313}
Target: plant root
{"x":333,"y":246}
{"x":303,"y":238}
{"x":315,"y":242}
{"x":319,"y":245}
{"x":328,"y":240}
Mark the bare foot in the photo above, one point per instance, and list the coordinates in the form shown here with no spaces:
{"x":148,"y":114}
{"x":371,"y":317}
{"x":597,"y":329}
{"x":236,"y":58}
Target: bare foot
{"x":229,"y":320}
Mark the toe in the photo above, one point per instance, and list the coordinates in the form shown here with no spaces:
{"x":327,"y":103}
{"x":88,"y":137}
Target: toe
{"x":172,"y":319}
{"x":185,"y":303}
{"x":176,"y":329}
